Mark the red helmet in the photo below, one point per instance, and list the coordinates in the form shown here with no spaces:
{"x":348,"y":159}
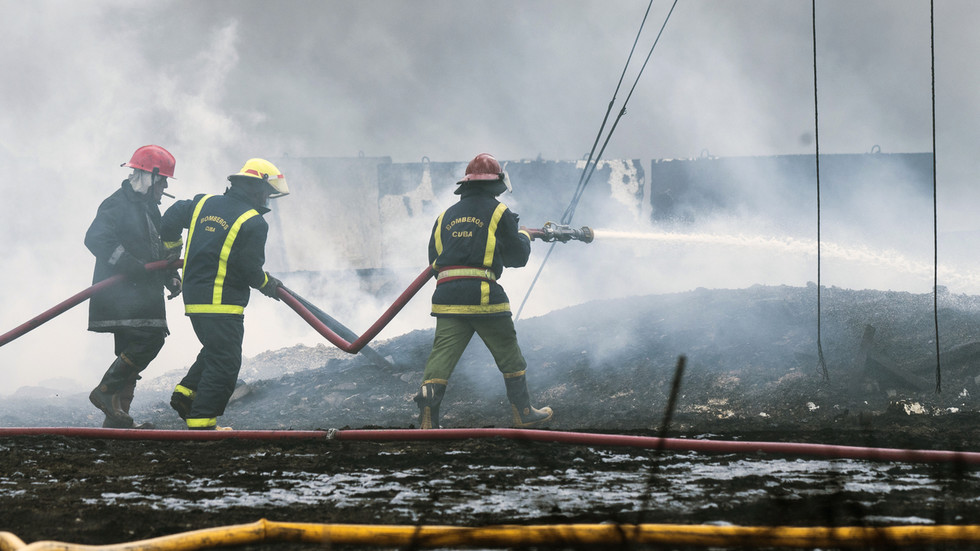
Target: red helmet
{"x":483,"y":167}
{"x":153,"y":158}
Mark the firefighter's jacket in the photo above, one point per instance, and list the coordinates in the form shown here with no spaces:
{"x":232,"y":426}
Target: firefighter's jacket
{"x":471,"y":243}
{"x":123,"y":236}
{"x":224,"y":252}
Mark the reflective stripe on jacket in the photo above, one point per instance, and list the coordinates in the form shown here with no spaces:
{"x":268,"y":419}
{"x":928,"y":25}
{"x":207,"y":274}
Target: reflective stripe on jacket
{"x":225,"y":250}
{"x":471,"y":243}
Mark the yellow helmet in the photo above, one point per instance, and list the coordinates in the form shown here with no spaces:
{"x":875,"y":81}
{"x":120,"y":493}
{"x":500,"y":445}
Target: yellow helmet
{"x":262,"y":169}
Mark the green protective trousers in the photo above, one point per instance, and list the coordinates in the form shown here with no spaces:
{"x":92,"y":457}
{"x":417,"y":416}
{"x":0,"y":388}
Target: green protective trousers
{"x":454,"y":333}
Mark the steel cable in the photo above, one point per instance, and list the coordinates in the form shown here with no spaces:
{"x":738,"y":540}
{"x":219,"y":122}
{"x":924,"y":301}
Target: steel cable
{"x":816,"y":141}
{"x":586,"y":175}
{"x":935,"y":216}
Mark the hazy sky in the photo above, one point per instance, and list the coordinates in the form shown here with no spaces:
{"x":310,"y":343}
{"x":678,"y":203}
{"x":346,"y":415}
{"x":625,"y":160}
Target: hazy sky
{"x":220,"y":81}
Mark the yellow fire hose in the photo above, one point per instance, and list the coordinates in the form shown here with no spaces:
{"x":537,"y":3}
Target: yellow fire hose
{"x":519,"y":535}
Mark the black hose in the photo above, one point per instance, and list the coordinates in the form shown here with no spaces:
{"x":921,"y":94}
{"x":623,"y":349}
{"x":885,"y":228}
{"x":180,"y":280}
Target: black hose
{"x":343,"y":331}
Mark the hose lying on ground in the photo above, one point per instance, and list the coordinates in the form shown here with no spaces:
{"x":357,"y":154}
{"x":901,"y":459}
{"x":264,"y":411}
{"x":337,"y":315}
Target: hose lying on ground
{"x":564,"y":437}
{"x":507,"y":536}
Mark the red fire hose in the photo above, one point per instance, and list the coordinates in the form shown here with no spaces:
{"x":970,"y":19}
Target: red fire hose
{"x":284,"y":294}
{"x":550,"y":232}
{"x":358,"y":344}
{"x":68,"y":303}
{"x":562,"y":437}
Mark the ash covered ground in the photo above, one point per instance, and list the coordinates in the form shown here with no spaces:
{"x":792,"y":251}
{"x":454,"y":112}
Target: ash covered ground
{"x":751,"y":363}
{"x":752,"y":373}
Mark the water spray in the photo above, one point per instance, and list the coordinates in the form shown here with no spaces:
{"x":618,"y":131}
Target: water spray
{"x":895,"y":262}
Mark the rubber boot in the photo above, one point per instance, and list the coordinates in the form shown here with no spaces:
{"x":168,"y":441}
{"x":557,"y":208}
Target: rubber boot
{"x":121,"y":400}
{"x":429,"y":397}
{"x":525,"y":415}
{"x":125,"y":399}
{"x":105,"y":396}
{"x":205,"y":423}
{"x":181,"y":400}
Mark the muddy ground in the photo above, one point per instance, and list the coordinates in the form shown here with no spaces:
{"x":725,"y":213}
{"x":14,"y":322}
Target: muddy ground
{"x":752,"y":372}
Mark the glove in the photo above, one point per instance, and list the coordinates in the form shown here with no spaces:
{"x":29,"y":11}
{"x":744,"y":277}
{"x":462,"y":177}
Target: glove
{"x":173,"y":250}
{"x":271,"y":287}
{"x":172,"y":283}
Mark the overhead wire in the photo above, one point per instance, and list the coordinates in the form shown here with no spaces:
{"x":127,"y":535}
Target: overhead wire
{"x":592,"y":163}
{"x":816,"y":141}
{"x":609,"y":107}
{"x":935,"y":214}
{"x":582,"y":180}
{"x":566,"y":217}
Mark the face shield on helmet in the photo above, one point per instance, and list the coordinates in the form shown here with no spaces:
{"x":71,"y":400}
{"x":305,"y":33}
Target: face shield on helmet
{"x":260,"y":169}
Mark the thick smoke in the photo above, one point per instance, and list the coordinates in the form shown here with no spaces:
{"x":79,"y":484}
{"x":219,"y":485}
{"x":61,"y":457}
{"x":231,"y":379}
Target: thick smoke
{"x":219,"y":82}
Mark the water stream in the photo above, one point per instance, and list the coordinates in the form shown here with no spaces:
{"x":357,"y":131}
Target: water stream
{"x":862,"y":257}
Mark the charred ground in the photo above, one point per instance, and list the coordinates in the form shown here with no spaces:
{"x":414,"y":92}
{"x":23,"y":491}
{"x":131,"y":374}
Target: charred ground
{"x":752,"y":362}
{"x":752,"y":372}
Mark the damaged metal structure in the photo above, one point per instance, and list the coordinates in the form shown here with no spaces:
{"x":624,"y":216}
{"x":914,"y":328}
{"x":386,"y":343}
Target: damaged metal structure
{"x":368,"y":214}
{"x":371,"y":214}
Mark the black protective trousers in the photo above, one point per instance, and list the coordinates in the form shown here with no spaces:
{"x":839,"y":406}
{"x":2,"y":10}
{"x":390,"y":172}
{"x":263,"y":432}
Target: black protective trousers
{"x":139,"y":345}
{"x":215,"y":371}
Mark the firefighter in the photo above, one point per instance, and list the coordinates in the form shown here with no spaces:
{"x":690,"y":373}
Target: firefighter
{"x":124,"y":236}
{"x":471,"y":243}
{"x":223,"y":260}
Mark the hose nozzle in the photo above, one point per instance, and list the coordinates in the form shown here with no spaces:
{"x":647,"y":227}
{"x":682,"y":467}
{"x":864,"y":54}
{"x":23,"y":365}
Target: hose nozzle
{"x":563,"y":233}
